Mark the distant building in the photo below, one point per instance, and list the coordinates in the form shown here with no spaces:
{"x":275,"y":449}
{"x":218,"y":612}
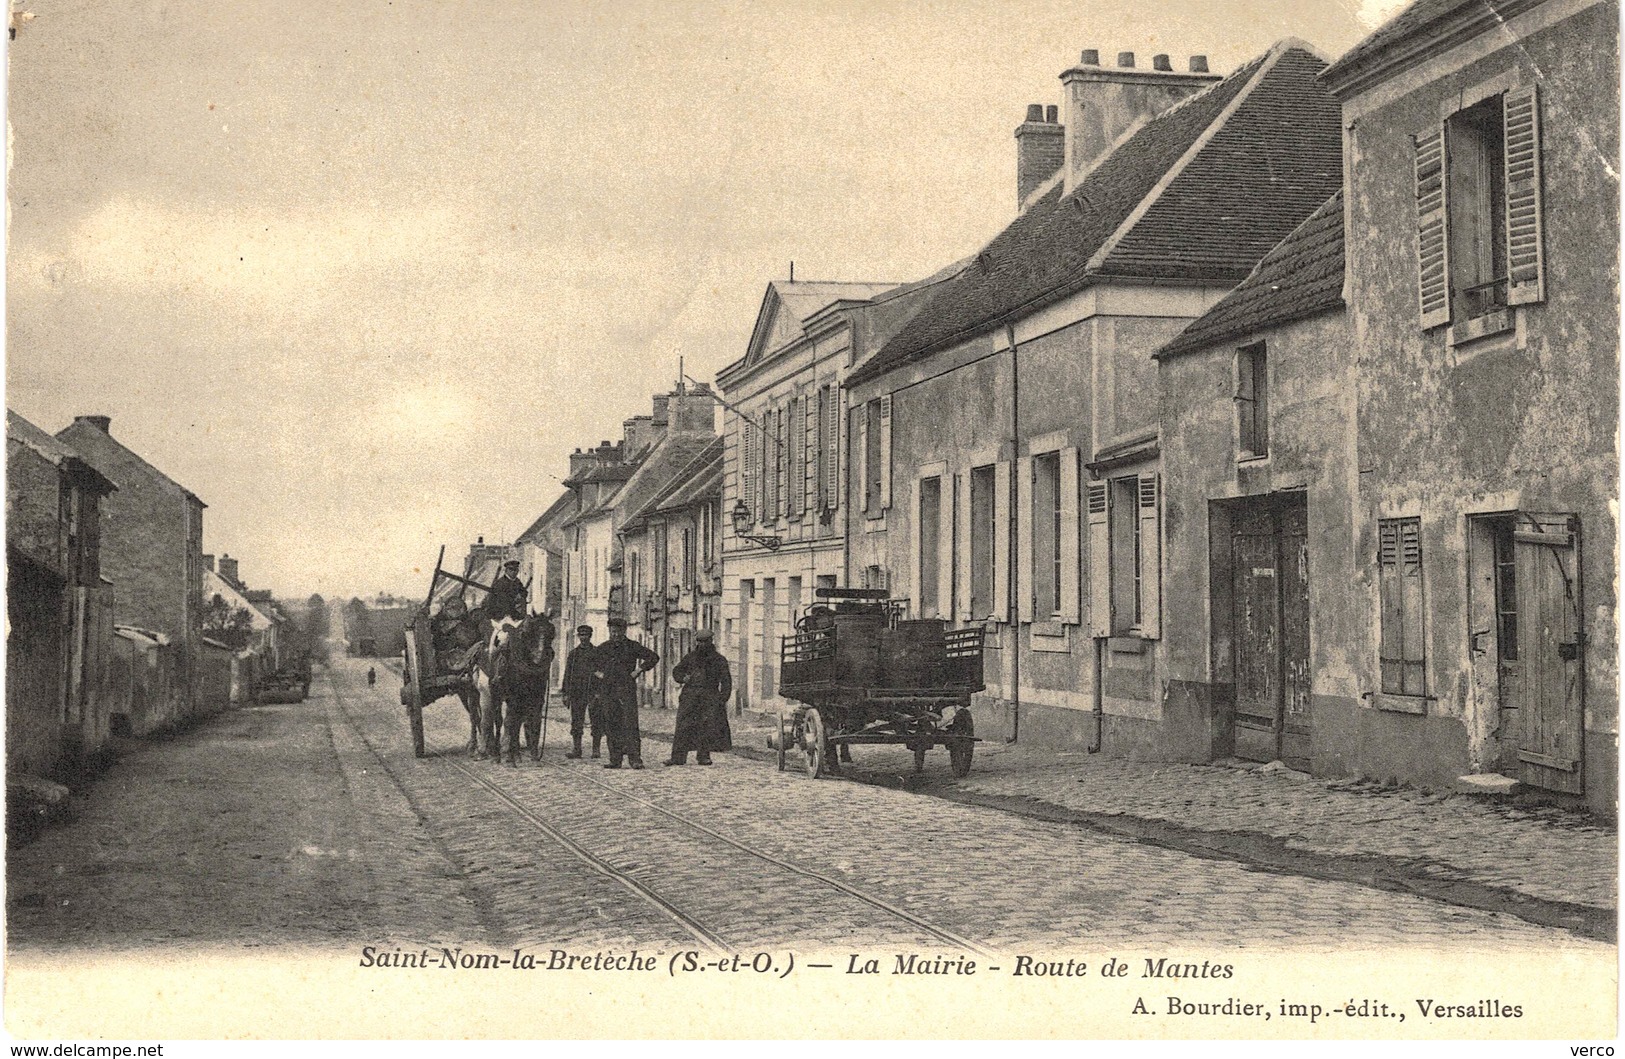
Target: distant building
{"x":152,"y":548}
{"x":58,"y":605}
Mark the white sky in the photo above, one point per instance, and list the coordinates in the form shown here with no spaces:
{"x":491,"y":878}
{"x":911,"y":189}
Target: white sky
{"x":361,"y":273}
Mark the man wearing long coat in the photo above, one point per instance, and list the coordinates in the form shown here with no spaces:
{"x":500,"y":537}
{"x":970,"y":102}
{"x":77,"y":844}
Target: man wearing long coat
{"x":702,"y":707}
{"x":618,"y":662}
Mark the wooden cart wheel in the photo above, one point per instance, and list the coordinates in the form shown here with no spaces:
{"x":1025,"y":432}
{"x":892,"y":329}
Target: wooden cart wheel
{"x":414,"y":710}
{"x":961,"y":750}
{"x":784,"y":739}
{"x":812,"y":741}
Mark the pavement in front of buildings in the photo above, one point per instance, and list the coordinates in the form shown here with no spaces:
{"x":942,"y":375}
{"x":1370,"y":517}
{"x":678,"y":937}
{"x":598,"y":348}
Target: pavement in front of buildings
{"x":1546,"y":865}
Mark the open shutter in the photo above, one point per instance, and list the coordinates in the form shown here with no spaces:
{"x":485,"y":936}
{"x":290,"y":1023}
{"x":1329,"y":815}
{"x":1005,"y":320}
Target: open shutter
{"x":1100,"y":559}
{"x":1024,"y":539}
{"x":885,"y":452}
{"x":1150,"y":558}
{"x":865,"y":495}
{"x":1001,"y":543}
{"x":748,"y":450}
{"x":945,"y":546}
{"x":781,"y":461}
{"x":962,"y":548}
{"x":1432,"y":236}
{"x":797,"y":431}
{"x":832,"y":441}
{"x":1071,"y":574}
{"x":916,"y":564}
{"x":1526,"y":260}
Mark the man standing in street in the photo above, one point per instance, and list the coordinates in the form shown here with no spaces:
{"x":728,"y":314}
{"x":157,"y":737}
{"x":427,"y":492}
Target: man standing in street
{"x":580,"y":688}
{"x":618,"y":663}
{"x":702,"y":708}
{"x":507,"y":596}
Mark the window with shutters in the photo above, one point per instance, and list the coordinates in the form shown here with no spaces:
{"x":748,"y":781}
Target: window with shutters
{"x":871,"y":458}
{"x":798,"y":457}
{"x":1402,"y":656}
{"x":1125,"y":557}
{"x":981,"y":533}
{"x":1480,"y":212}
{"x":1125,"y":554}
{"x":1252,"y":403}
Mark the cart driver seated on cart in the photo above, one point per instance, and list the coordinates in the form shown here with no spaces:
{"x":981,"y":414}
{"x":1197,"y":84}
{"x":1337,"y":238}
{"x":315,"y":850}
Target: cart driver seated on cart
{"x":458,"y":636}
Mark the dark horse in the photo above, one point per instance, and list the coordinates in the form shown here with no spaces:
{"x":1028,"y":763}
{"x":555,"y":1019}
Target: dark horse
{"x":513,"y":686}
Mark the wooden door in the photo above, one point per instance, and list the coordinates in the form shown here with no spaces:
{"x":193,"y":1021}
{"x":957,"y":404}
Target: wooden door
{"x":1270,"y":593}
{"x":1550,"y":651}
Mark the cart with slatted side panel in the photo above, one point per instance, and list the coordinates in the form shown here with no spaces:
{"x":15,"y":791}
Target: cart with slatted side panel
{"x":421,"y":683}
{"x":866,"y":676}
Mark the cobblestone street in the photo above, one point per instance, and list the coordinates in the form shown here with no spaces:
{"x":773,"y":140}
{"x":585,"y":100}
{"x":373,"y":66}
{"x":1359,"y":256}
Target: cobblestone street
{"x":313,"y":824}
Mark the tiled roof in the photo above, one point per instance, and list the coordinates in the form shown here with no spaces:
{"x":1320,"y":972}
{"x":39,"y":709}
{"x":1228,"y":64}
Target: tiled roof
{"x":1301,"y":277}
{"x":666,"y":461}
{"x":554,"y":514}
{"x":702,"y":477}
{"x":1426,"y":23}
{"x":1198,"y":194}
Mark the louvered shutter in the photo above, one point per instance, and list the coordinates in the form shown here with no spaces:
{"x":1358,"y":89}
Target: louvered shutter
{"x":1100,"y":558}
{"x":749,"y":448}
{"x":1001,"y":543}
{"x":885,"y":452}
{"x":945,"y":546}
{"x":915,"y":559}
{"x":809,"y":453}
{"x":1526,"y":261}
{"x":1071,"y":589}
{"x":962,"y":547}
{"x":1150,"y":558}
{"x":758,"y":502}
{"x":832,"y":443}
{"x":1024,"y":538}
{"x":795,"y":474}
{"x":770,"y":470}
{"x":1432,"y":231}
{"x":781,"y":462}
{"x":862,"y":472}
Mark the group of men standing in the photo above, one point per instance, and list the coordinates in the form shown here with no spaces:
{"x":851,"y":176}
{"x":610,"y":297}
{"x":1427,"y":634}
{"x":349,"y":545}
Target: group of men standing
{"x":601,"y":689}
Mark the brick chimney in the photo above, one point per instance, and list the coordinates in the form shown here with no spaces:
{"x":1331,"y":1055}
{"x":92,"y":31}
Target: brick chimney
{"x":1040,"y":150}
{"x":640,"y":432}
{"x":101,"y":423}
{"x":1101,"y":104}
{"x":579,"y":463}
{"x":660,"y":409}
{"x":692,"y":411}
{"x":228,"y":571}
{"x":208,"y":562}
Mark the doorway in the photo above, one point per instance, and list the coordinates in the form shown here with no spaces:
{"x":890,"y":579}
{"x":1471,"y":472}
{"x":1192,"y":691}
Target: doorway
{"x":1269,"y":620}
{"x":1525,"y":642}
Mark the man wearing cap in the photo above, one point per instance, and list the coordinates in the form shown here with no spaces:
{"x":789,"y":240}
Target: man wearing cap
{"x":702,"y":708}
{"x":618,"y":662}
{"x":580,"y":688}
{"x":507,"y":595}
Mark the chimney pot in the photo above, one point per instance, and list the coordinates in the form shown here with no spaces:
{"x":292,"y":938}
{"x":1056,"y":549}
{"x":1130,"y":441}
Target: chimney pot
{"x":1050,"y":114}
{"x":101,"y":423}
{"x":1125,"y":59}
{"x":1161,"y":62}
{"x":1091,"y":57}
{"x":1035,"y":112}
{"x":1198,"y":64}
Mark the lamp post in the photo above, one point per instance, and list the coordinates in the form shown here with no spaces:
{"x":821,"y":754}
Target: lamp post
{"x":740,"y":515}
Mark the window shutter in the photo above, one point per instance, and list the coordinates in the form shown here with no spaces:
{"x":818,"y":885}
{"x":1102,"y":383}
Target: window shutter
{"x":962,"y":535}
{"x":1526,"y":261}
{"x":1100,"y":558}
{"x":1432,"y":237}
{"x":862,"y":449}
{"x":1150,"y":558}
{"x":747,"y":458}
{"x":885,"y":452}
{"x":759,"y":506}
{"x":915,"y":560}
{"x":1001,"y":543}
{"x":832,"y":441}
{"x":1024,"y":539}
{"x":1071,"y":588}
{"x":781,"y":463}
{"x":796,"y":436}
{"x":770,"y":470}
{"x":945,"y":546}
{"x":809,"y":453}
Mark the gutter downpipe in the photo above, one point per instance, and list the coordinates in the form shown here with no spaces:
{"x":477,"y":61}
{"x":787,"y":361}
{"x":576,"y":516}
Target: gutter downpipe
{"x":1012,"y":529}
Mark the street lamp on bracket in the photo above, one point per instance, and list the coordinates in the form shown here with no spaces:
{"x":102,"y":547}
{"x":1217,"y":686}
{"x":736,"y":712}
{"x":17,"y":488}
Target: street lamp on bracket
{"x":740,"y":515}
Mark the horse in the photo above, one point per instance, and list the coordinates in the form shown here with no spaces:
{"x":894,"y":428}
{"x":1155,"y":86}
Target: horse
{"x":512,"y":682}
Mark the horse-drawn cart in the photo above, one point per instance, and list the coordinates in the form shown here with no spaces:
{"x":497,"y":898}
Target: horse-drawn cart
{"x":866,"y":676}
{"x":422,"y":681}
